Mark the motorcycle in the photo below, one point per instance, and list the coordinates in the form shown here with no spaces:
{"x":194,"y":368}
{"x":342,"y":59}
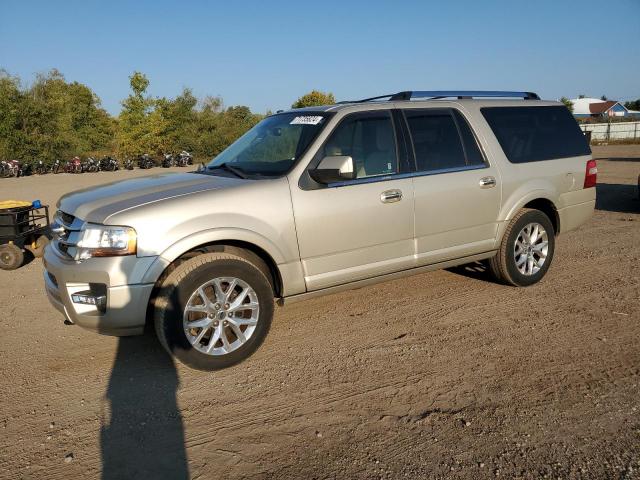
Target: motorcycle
{"x":108,"y":164}
{"x":40,"y":168}
{"x":128,"y":164}
{"x":55,"y":168}
{"x":73,"y":166}
{"x":90,"y":165}
{"x":167,"y":161}
{"x":184,"y":159}
{"x":25,"y":169}
{"x":145,"y":161}
{"x":9,"y":168}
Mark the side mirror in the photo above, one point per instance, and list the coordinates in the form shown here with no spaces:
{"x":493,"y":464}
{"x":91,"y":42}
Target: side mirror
{"x":334,"y":169}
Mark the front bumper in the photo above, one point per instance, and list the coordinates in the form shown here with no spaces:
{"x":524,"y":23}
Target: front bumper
{"x":127,"y":297}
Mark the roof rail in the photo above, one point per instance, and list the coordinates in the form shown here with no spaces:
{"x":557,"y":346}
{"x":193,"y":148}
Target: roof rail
{"x":460,"y":94}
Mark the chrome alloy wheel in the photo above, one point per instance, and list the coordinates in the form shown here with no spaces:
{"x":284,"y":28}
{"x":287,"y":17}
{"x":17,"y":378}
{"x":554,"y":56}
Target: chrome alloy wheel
{"x":221,"y":315}
{"x":531,"y":249}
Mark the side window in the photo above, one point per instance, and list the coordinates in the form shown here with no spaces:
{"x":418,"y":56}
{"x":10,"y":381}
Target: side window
{"x":437,"y":143}
{"x":367,"y":138}
{"x":471,"y":149}
{"x":534,"y":134}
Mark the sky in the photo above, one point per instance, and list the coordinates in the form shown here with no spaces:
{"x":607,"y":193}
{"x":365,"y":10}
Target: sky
{"x":267,"y":54}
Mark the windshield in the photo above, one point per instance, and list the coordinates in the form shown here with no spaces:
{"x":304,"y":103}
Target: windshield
{"x":272,"y":146}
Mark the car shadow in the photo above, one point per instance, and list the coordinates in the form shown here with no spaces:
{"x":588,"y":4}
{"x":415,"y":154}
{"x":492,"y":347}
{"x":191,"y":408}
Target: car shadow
{"x":614,"y":197}
{"x":142,"y":434}
{"x":474,"y":270}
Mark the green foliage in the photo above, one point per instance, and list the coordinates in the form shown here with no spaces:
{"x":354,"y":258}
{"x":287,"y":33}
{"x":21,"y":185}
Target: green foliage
{"x":54,"y":119}
{"x":633,"y":105}
{"x":51,"y":119}
{"x":163,"y":125}
{"x":137,"y":126}
{"x":313,"y":99}
{"x":567,"y":103}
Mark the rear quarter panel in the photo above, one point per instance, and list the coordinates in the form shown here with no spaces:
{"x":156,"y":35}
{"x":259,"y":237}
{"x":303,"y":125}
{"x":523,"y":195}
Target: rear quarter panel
{"x":559,"y":180}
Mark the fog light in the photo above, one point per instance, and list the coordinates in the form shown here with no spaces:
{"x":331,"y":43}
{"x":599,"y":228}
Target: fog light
{"x":89,"y":298}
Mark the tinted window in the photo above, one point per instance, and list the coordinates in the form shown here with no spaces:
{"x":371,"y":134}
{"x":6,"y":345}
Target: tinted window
{"x":369,"y":139}
{"x":531,"y":134}
{"x":471,"y":149}
{"x":436,"y":141}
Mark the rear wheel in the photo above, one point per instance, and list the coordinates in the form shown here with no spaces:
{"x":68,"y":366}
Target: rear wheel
{"x":11,"y":256}
{"x":214,"y":310}
{"x":526,"y":250}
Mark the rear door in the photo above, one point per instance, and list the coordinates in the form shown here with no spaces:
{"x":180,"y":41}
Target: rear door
{"x":457,"y":192}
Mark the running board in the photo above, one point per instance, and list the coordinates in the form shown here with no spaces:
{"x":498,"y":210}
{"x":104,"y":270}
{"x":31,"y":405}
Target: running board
{"x":383,"y":278}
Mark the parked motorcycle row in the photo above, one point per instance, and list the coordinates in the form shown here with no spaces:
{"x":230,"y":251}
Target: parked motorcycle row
{"x":15,"y":168}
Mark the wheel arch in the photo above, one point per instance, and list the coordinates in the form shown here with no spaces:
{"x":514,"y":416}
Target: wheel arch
{"x":547,"y":207}
{"x":540,"y":200}
{"x":250,"y":251}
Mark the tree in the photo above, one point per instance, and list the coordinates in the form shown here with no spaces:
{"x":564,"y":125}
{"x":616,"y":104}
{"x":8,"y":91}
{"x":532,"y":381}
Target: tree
{"x":314,"y":98}
{"x":11,"y":111}
{"x":138,"y":131}
{"x":55,"y":119}
{"x":633,"y":105}
{"x":51,"y":120}
{"x":581,"y":95}
{"x":604,"y":98}
{"x":178,"y":118}
{"x":567,"y":103}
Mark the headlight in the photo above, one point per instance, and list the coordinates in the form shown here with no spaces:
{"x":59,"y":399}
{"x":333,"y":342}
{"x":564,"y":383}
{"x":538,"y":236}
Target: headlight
{"x":106,"y":241}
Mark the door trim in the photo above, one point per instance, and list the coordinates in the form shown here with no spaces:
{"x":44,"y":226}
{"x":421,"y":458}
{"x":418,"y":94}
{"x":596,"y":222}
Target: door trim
{"x":397,"y":176}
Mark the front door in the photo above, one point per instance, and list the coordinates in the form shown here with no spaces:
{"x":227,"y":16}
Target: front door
{"x":359,"y":228}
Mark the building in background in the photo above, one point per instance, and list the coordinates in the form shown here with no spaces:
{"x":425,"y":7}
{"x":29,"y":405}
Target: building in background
{"x":597,"y":108}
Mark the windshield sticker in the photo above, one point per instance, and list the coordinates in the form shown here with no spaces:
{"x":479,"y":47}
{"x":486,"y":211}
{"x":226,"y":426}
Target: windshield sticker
{"x":306,"y":120}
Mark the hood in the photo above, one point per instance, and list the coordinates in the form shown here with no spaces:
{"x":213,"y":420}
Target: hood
{"x":97,"y":204}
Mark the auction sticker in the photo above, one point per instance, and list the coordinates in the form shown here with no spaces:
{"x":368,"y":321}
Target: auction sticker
{"x":306,"y":120}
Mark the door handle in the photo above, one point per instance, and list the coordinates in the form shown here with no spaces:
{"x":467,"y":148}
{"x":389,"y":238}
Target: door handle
{"x":390,"y":196}
{"x":487,"y":182}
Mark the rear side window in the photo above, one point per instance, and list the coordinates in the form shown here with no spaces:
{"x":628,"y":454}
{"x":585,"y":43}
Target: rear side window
{"x":471,"y":150}
{"x":533,"y":134}
{"x":442,"y":139}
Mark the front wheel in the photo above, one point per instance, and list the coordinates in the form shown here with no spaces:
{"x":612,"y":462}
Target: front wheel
{"x":214,"y":310}
{"x":526,"y":250}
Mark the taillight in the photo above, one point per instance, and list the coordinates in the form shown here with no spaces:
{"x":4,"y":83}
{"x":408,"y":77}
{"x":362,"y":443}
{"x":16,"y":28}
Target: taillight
{"x":591,"y":175}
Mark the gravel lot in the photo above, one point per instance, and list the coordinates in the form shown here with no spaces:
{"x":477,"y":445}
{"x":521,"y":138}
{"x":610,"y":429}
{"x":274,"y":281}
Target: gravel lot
{"x":440,"y":375}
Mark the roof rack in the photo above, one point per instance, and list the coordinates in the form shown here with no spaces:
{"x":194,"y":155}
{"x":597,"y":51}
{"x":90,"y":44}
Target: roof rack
{"x":460,"y":94}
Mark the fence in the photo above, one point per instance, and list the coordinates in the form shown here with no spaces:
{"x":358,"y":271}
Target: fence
{"x":612,"y":131}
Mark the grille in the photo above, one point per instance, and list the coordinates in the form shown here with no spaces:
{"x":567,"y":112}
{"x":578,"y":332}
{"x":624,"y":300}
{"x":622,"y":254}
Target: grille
{"x":66,"y":218}
{"x":66,"y":229}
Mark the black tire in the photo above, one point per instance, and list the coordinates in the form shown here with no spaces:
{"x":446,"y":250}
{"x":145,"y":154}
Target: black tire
{"x":11,"y":256}
{"x":181,"y":283}
{"x":503,"y":265}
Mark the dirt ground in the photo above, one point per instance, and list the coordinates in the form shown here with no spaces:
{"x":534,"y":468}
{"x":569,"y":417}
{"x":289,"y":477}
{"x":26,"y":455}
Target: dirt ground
{"x":441,"y":375}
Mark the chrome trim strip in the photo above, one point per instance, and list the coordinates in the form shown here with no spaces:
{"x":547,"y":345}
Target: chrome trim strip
{"x":75,"y":225}
{"x":399,"y":176}
{"x":66,"y":235}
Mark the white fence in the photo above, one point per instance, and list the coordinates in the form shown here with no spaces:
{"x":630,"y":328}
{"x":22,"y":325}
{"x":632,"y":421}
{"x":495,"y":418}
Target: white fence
{"x":612,"y":131}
